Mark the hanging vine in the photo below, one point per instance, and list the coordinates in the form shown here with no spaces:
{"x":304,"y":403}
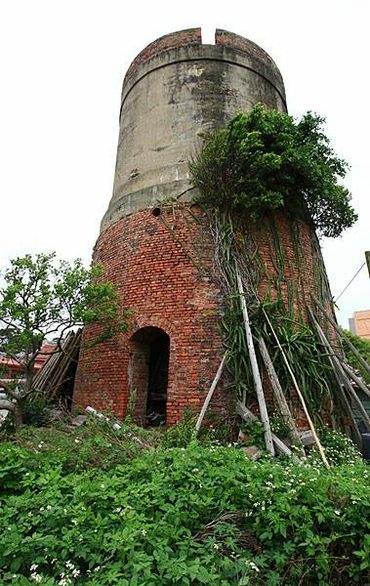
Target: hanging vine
{"x":263,"y":162}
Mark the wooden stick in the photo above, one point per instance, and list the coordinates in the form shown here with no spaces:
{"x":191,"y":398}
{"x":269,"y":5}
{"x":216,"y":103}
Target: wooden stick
{"x":299,"y":393}
{"x":281,"y":448}
{"x":338,"y":372}
{"x":339,"y":330}
{"x":255,"y":370}
{"x":209,"y":396}
{"x":361,"y":408}
{"x":359,"y":382}
{"x":280,"y":397}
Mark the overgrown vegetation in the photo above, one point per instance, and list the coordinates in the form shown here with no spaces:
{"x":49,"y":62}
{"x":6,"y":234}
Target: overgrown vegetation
{"x":42,"y":298}
{"x":261,"y":162}
{"x":265,"y":160}
{"x":97,"y":506}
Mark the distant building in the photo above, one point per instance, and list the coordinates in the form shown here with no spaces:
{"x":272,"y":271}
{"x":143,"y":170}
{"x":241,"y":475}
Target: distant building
{"x":359,"y":324}
{"x":10,"y":369}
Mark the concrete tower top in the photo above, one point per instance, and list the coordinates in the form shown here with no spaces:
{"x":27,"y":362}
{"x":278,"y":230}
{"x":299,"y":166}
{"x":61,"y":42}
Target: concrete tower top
{"x":187,"y":43}
{"x":175,"y":90}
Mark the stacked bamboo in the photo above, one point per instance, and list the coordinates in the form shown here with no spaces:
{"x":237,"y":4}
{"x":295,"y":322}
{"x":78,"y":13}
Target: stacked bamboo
{"x":51,"y":377}
{"x":348,"y":382}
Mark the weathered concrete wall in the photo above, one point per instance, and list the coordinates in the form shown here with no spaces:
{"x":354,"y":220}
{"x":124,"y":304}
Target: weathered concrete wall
{"x":170,"y":98}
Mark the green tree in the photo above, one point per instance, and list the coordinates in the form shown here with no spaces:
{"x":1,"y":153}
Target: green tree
{"x":265,"y":160}
{"x":44,"y":298}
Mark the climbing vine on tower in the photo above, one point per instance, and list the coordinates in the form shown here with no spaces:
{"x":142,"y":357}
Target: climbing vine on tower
{"x":263,"y":170}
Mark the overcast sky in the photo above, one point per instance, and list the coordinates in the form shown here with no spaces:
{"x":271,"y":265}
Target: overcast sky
{"x":62,"y":66}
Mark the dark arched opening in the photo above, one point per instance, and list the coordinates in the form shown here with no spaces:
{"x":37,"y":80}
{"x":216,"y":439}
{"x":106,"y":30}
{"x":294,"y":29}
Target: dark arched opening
{"x":149,"y":375}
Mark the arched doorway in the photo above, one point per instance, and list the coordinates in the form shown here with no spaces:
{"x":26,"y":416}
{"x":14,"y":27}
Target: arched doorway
{"x":149,"y":375}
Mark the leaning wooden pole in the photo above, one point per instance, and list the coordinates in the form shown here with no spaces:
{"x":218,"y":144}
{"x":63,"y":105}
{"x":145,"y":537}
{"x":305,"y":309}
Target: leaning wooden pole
{"x":279,"y":395}
{"x":356,"y":379}
{"x":341,"y":332}
{"x":209,"y":396}
{"x":339,"y":374}
{"x":281,"y":448}
{"x":299,"y":393}
{"x":255,"y":370}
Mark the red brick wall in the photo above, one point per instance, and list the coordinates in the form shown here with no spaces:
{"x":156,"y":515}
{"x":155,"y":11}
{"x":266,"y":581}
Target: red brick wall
{"x":153,"y":262}
{"x":153,"y":265}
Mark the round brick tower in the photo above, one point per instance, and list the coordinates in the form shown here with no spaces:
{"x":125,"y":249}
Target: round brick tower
{"x":156,"y":246}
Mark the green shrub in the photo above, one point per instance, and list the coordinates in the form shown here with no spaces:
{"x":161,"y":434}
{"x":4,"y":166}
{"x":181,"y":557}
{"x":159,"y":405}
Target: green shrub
{"x":194,"y":515}
{"x":264,"y":160}
{"x":339,"y":449}
{"x":36,"y":412}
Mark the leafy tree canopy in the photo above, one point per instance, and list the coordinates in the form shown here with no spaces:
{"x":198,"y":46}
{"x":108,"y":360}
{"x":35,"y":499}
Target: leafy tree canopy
{"x":43,"y":298}
{"x":265,"y":160}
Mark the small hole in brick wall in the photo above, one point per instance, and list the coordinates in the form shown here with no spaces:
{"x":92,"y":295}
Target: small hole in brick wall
{"x":156,"y":212}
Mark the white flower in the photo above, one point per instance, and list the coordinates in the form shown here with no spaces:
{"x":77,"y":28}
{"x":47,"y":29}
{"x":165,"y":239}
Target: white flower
{"x":34,"y":567}
{"x":252,"y":565}
{"x":75,"y":573}
{"x":77,"y":441}
{"x":143,"y":532}
{"x":64,"y":581}
{"x":36,"y":577}
{"x":337,"y":512}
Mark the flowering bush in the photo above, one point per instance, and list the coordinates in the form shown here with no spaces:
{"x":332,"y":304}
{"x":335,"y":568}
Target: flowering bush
{"x":191,"y":515}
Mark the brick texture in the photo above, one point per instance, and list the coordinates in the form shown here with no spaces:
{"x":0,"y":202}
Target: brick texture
{"x":163,"y":267}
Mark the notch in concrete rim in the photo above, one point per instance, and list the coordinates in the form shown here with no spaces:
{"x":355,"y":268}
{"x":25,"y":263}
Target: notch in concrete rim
{"x":193,"y":37}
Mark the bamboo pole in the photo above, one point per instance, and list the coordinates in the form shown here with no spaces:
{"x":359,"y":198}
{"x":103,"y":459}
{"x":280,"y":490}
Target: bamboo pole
{"x":359,"y":382}
{"x":281,"y":448}
{"x":299,"y":393}
{"x":209,"y":396}
{"x":339,"y":330}
{"x":361,"y":408}
{"x":255,"y":370}
{"x":338,"y":372}
{"x":280,"y":397}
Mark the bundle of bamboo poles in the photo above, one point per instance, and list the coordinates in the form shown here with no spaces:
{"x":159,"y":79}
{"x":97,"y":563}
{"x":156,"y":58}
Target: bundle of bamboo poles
{"x":52,"y":375}
{"x":348,"y":383}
